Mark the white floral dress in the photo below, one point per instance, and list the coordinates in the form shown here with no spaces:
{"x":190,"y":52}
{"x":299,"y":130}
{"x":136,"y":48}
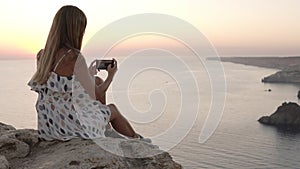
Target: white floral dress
{"x":66,"y":111}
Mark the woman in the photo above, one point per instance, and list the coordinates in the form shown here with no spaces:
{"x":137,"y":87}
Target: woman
{"x":68,"y":102}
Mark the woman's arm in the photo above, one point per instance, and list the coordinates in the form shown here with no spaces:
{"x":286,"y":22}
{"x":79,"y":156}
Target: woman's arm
{"x":88,"y":81}
{"x":82,"y":73}
{"x":111,"y":73}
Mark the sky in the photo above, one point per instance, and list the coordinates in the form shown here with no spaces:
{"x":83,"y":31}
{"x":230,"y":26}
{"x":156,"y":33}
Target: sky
{"x":234,"y":27}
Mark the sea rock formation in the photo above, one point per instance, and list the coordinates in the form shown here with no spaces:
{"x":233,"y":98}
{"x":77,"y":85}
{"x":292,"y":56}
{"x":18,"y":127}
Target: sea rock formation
{"x":286,"y":115}
{"x":22,"y":149}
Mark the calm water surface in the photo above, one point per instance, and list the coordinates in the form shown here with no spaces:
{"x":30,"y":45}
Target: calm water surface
{"x":239,"y":141}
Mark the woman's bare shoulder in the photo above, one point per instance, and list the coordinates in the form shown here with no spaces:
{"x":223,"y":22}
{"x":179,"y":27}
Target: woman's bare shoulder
{"x":73,"y":55}
{"x":75,"y":59}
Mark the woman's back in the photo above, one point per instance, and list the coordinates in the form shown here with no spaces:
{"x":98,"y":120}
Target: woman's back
{"x":64,"y":62}
{"x":64,"y":109}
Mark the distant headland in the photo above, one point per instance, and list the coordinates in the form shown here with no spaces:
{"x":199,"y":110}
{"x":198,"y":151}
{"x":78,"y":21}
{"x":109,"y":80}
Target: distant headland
{"x":289,"y":67}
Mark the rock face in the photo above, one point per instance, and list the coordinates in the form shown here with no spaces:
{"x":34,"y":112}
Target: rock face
{"x":290,"y":74}
{"x":283,"y":77}
{"x":22,"y":149}
{"x":3,"y":163}
{"x":286,"y":115}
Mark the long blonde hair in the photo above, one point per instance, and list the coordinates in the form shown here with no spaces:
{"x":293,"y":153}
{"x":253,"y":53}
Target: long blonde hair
{"x":67,"y":31}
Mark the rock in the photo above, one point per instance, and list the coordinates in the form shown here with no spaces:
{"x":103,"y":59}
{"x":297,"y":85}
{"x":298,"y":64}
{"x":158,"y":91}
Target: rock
{"x":264,"y":120}
{"x":17,"y":143}
{"x":13,"y":148}
{"x":5,"y":128}
{"x":284,"y":76}
{"x":28,"y":136}
{"x":3,"y":163}
{"x":78,"y":153}
{"x":286,"y":115}
{"x":299,"y":94}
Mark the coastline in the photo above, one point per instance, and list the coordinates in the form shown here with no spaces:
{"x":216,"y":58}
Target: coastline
{"x":289,"y":67}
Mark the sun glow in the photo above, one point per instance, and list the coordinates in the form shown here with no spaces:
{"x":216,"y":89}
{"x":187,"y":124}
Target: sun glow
{"x":233,"y":26}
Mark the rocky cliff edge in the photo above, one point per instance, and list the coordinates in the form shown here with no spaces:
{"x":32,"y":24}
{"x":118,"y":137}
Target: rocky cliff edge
{"x":22,"y":149}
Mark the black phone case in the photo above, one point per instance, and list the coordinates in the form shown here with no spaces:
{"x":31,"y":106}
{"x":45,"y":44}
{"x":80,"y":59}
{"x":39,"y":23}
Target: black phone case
{"x":103,"y":64}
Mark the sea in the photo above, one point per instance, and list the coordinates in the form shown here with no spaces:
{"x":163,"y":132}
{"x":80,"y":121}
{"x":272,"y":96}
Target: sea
{"x":238,"y":141}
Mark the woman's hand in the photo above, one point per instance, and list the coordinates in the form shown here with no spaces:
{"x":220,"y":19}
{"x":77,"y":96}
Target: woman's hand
{"x":112,"y":70}
{"x":92,"y":68}
{"x":111,"y":73}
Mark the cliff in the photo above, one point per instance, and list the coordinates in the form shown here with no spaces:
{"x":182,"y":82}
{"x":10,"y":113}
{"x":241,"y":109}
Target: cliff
{"x":287,"y":115}
{"x":22,"y":149}
{"x":290,"y":74}
{"x":289,"y":67}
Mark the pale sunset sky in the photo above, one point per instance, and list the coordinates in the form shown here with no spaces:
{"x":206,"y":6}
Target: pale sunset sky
{"x":234,"y":27}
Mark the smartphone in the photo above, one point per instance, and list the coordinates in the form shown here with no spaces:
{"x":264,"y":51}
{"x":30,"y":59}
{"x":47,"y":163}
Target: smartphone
{"x":103,"y":64}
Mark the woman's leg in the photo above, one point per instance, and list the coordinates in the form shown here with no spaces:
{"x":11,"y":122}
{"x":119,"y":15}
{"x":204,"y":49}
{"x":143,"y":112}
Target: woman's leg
{"x":102,"y":97}
{"x":120,"y":123}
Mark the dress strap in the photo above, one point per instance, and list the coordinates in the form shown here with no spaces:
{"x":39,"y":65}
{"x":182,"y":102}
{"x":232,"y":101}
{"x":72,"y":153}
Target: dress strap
{"x":61,"y":59}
